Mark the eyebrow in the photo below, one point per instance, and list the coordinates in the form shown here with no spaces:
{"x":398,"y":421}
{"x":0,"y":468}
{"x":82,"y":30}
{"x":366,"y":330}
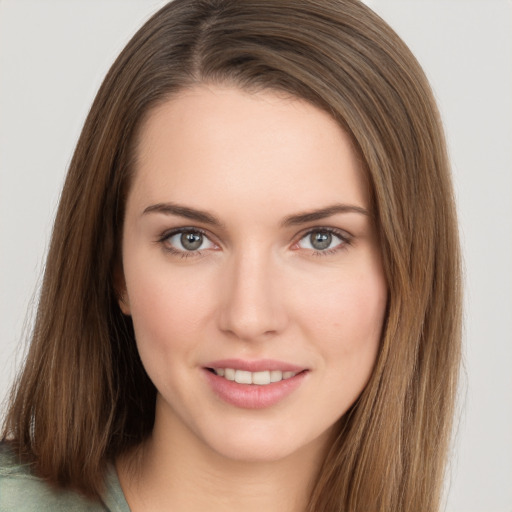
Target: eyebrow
{"x":291,"y":220}
{"x":184,"y":211}
{"x":323,"y":213}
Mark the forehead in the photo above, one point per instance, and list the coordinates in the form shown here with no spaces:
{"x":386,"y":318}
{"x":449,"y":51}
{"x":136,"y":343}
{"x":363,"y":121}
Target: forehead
{"x":212,"y":143}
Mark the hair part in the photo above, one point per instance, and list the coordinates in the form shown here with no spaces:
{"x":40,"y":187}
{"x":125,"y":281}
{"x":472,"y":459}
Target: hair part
{"x":83,"y":397}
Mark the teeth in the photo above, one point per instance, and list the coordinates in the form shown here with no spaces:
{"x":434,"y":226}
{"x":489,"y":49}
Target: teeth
{"x":229,"y":373}
{"x":243,"y":377}
{"x":276,"y":376}
{"x":259,"y":378}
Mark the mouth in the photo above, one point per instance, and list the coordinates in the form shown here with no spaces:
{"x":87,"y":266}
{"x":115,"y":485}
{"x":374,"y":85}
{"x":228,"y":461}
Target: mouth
{"x":259,"y":378}
{"x":254,"y":384}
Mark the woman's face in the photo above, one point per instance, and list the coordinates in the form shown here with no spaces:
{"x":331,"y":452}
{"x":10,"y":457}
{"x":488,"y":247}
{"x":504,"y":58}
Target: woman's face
{"x":249,"y":254}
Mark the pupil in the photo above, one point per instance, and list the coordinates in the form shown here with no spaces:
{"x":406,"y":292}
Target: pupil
{"x":321,"y":240}
{"x":191,"y":241}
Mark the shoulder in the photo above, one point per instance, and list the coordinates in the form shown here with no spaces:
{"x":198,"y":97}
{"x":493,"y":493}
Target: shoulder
{"x":21,"y":491}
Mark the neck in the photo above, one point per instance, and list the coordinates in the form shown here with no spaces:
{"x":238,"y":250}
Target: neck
{"x":178,"y":472}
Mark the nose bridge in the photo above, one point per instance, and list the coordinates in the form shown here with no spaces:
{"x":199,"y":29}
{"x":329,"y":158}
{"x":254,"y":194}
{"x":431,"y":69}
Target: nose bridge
{"x":252,"y":305}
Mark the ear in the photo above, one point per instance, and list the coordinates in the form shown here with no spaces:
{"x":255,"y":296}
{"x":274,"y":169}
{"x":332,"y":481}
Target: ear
{"x":124,"y":303}
{"x":120,"y":290}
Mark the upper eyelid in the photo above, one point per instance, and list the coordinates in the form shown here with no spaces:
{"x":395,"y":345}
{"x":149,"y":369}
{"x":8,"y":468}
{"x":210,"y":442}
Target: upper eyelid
{"x":345,"y":235}
{"x":174,"y":231}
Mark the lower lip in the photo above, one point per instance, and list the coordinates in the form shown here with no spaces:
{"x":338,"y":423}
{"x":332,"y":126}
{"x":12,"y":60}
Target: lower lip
{"x":253,"y":396}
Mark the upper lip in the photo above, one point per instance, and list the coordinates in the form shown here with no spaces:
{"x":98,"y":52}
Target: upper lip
{"x":258,"y":365}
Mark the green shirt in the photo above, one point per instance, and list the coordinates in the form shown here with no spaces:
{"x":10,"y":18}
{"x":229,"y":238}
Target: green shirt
{"x":21,"y":491}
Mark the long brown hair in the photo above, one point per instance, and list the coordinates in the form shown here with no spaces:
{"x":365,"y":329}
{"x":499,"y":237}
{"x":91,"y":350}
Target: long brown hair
{"x":83,"y":397}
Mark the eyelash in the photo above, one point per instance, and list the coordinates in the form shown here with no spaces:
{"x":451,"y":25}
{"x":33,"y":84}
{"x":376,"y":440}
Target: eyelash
{"x":346,"y":240}
{"x":164,"y":237}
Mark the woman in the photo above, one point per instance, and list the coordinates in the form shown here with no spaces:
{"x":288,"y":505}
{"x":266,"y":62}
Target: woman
{"x":252,"y":292}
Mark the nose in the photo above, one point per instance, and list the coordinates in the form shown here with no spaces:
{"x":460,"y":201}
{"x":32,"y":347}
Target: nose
{"x":252,"y":300}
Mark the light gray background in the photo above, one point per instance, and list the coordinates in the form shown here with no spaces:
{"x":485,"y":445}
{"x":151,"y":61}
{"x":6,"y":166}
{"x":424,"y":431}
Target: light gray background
{"x":53,"y":56}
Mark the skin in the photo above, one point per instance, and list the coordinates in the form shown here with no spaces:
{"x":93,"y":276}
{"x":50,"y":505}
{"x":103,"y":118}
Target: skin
{"x":256,"y":289}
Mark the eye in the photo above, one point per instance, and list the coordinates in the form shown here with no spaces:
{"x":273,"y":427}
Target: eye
{"x":186,"y":241}
{"x":323,"y":240}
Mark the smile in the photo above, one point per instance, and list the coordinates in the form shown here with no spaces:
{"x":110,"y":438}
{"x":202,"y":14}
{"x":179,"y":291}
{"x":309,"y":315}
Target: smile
{"x":261,"y":378}
{"x":254,"y":384}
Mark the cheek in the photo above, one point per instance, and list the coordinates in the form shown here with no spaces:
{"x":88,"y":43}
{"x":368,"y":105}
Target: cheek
{"x":166,"y":314}
{"x":166,"y":308}
{"x":347,"y":317}
{"x":349,"y":337}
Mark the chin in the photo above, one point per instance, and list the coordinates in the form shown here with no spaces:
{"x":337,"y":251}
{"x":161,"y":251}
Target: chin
{"x":257,"y":444}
